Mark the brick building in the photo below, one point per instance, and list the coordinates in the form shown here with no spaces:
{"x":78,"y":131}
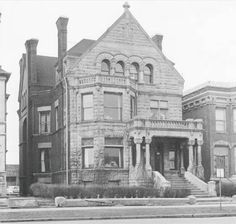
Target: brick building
{"x":4,"y":76}
{"x":215,"y":103}
{"x":104,"y":112}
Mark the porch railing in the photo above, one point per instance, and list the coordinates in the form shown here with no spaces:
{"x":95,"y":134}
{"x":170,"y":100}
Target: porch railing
{"x":105,"y":79}
{"x":189,"y":124}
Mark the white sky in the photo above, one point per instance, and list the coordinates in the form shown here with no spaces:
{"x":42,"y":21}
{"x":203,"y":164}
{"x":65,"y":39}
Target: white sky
{"x":199,"y":36}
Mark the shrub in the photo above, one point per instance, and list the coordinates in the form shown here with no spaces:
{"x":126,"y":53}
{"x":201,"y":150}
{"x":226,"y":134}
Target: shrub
{"x":77,"y":191}
{"x":177,"y":193}
{"x":227,"y":188}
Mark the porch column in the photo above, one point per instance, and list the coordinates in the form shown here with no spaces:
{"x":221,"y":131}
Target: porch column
{"x":182,"y":169}
{"x":138,"y":142}
{"x":130,"y":152}
{"x":190,"y":152}
{"x":200,"y":170}
{"x":148,"y":166}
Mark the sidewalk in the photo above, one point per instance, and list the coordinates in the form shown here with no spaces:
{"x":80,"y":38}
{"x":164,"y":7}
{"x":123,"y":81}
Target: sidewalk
{"x":123,"y":212}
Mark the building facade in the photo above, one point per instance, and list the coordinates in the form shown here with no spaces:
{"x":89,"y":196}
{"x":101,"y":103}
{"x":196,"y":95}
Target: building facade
{"x":4,"y":76}
{"x":12,"y":174}
{"x":215,"y":103}
{"x":104,"y":112}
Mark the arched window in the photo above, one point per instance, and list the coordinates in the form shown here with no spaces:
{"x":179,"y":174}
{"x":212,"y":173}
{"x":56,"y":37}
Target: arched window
{"x":105,"y":67}
{"x":134,"y":69}
{"x":148,"y":73}
{"x":119,"y":69}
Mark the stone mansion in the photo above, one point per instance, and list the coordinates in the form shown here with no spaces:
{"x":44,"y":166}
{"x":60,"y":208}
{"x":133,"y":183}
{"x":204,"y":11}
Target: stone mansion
{"x":105,"y":112}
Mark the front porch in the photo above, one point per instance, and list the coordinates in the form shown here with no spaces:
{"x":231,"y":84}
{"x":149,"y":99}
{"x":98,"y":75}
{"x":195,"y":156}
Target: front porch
{"x":167,"y":147}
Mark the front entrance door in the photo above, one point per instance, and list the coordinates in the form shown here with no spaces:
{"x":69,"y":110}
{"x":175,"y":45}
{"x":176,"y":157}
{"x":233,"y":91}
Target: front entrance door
{"x":172,"y":159}
{"x":159,"y":158}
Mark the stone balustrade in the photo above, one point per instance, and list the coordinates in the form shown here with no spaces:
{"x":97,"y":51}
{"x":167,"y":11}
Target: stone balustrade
{"x":105,"y":79}
{"x":165,"y":124}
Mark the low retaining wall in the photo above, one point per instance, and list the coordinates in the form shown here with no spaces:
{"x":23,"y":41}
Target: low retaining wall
{"x":124,"y":202}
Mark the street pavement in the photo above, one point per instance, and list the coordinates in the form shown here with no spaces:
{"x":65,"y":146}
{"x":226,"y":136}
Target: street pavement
{"x":215,"y":220}
{"x":123,"y":212}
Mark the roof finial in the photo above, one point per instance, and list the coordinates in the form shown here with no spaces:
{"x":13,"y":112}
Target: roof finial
{"x":126,"y":6}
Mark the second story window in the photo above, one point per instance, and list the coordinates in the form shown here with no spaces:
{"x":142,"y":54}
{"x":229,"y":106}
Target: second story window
{"x":134,"y":69}
{"x":234,"y":116}
{"x":87,"y":106}
{"x":119,"y":69}
{"x":112,"y":106}
{"x":220,"y":114}
{"x":133,"y":107}
{"x":56,"y":118}
{"x":44,"y":122}
{"x":148,"y":74}
{"x":105,"y":67}
{"x":159,"y":109}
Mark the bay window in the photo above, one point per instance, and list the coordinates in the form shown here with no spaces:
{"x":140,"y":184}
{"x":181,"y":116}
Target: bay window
{"x":113,"y":152}
{"x":113,"y":106}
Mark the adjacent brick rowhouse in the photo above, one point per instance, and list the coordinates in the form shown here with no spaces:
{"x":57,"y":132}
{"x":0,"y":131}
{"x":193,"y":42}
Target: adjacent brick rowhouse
{"x":219,"y":147}
{"x":129,"y":124}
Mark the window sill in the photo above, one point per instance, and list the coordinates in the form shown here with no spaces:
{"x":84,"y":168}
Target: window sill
{"x":220,"y":132}
{"x":43,"y":134}
{"x":105,"y":168}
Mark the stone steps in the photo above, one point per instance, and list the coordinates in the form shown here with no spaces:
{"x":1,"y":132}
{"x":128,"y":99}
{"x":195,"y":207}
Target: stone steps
{"x":179,"y":182}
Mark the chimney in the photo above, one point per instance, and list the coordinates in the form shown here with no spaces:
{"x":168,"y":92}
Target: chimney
{"x":31,"y":53}
{"x":158,"y":40}
{"x":62,"y":36}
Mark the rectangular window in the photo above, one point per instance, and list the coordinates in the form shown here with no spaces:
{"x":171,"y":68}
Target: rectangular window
{"x":113,"y":152}
{"x":234,"y":115}
{"x":88,"y":153}
{"x":87,"y":106}
{"x":220,"y":114}
{"x":44,"y":122}
{"x":44,"y":161}
{"x":133,"y":107}
{"x":56,"y":118}
{"x":112,"y":106}
{"x":159,"y":109}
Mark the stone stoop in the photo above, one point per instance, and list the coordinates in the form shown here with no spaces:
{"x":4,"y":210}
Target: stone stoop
{"x":179,"y":182}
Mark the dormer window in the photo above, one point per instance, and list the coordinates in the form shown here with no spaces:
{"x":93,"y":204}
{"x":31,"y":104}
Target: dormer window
{"x":105,"y":67}
{"x":119,"y":69}
{"x":148,"y":74}
{"x":134,"y":68}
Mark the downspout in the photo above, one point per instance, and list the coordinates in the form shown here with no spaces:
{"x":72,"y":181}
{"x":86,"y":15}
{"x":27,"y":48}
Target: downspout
{"x":67,"y":132}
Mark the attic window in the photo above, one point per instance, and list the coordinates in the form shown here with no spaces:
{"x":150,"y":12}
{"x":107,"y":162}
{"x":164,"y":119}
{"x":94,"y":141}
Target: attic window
{"x":105,"y":67}
{"x":148,"y":73}
{"x":134,"y":68}
{"x":119,"y":69}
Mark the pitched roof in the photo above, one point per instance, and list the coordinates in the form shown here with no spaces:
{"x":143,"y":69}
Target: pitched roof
{"x":80,"y":47}
{"x":225,"y":85}
{"x":45,"y":69}
{"x":4,"y":73}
